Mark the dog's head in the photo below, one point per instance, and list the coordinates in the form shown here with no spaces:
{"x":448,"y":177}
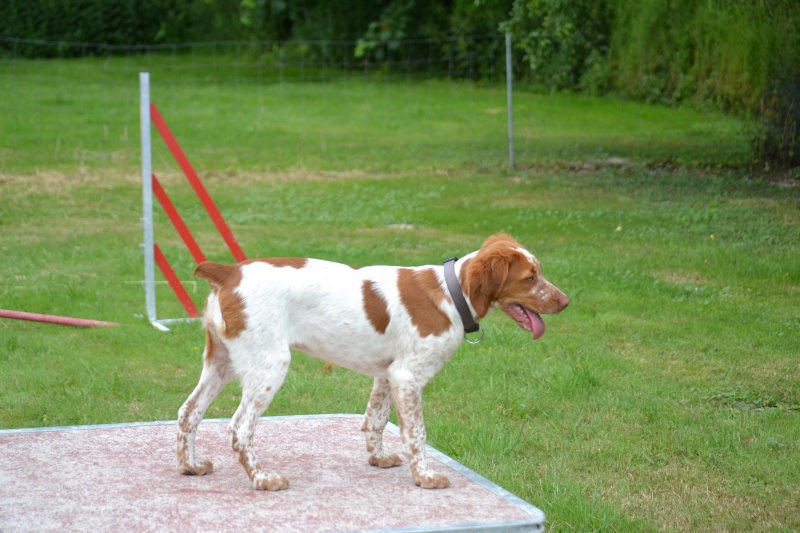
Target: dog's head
{"x":503,"y":274}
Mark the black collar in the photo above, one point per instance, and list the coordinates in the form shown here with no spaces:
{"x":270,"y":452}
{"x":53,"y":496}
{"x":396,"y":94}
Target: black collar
{"x":454,"y":287}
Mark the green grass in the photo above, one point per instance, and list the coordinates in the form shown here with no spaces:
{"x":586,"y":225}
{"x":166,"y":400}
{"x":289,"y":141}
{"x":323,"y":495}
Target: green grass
{"x":665,"y":397}
{"x":232,"y":114}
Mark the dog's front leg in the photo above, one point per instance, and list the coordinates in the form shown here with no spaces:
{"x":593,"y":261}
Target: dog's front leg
{"x":408,"y":401}
{"x":375,"y":419}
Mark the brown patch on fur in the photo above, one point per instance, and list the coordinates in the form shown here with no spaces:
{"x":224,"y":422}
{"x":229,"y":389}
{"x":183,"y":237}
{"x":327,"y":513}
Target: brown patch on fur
{"x":183,"y":444}
{"x":292,"y":262}
{"x":184,"y":422}
{"x":212,"y":348}
{"x":376,"y":401}
{"x":486,"y":273}
{"x":387,"y":461}
{"x":244,"y":460}
{"x":232,"y":307}
{"x":224,"y":279}
{"x":375,"y":307}
{"x":422,"y":294}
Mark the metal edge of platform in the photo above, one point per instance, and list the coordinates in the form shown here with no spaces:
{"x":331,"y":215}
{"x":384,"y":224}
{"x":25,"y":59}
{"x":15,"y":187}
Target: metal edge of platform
{"x":535,"y":524}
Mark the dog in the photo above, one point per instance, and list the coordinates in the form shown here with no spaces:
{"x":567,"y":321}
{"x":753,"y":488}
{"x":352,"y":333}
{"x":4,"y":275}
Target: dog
{"x":397,"y":324}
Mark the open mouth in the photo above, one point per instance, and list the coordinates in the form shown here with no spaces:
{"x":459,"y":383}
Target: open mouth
{"x":526,"y":319}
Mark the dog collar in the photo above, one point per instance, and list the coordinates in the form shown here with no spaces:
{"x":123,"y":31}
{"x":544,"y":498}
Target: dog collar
{"x":454,"y":288}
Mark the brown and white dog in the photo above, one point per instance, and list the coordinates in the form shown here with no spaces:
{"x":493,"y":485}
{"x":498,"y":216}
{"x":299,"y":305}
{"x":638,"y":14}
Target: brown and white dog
{"x":398,"y":324}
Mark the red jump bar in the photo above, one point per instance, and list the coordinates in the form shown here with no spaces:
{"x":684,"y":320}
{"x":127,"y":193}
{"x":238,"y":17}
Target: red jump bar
{"x":197,"y":185}
{"x":175,"y":283}
{"x":177,"y":221}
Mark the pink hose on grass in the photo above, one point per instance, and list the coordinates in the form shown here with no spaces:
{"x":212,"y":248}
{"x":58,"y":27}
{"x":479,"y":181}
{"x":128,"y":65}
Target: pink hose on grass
{"x":52,"y":319}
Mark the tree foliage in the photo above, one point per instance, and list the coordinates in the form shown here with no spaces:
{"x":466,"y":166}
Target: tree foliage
{"x":738,"y":55}
{"x":118,"y":22}
{"x":561,"y":39}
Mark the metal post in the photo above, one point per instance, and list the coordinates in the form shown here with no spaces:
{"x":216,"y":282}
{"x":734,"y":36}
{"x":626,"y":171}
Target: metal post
{"x":509,"y":87}
{"x":147,"y":198}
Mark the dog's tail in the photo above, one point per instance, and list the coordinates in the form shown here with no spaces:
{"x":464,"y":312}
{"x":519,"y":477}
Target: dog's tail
{"x":218,"y":275}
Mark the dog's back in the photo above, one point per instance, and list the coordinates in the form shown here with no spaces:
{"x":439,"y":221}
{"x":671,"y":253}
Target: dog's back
{"x":357,"y":318}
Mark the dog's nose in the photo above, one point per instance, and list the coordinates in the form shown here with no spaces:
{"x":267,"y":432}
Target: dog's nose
{"x":564,"y":301}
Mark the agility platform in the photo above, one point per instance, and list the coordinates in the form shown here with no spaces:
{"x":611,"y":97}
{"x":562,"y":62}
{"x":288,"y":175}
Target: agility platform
{"x":122,"y":477}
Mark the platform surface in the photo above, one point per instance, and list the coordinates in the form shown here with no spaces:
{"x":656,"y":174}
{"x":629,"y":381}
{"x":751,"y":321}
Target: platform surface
{"x":122,"y":477}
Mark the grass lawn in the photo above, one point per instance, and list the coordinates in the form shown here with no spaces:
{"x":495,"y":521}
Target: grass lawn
{"x":667,"y":396}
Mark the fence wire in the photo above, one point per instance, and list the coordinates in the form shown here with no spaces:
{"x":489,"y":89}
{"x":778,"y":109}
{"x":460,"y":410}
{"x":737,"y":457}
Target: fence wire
{"x":256,"y":105}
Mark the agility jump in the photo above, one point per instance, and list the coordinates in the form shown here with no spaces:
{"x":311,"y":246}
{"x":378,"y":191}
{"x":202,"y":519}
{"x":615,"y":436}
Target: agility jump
{"x":153,"y":255}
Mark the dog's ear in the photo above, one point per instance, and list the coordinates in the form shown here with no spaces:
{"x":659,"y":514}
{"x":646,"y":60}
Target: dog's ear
{"x":486,"y":274}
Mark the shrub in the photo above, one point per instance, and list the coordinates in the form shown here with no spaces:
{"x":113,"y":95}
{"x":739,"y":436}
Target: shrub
{"x":777,"y":139}
{"x":115,"y":22}
{"x":562,"y":40}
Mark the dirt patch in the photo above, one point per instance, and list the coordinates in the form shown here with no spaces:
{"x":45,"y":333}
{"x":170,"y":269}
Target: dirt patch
{"x":56,"y":183}
{"x":786,"y":183}
{"x":681,"y":278}
{"x":704,"y":495}
{"x":290,"y":175}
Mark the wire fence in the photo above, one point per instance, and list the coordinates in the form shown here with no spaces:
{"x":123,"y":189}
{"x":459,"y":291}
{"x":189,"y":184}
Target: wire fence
{"x":435,"y":104}
{"x":258,"y":105}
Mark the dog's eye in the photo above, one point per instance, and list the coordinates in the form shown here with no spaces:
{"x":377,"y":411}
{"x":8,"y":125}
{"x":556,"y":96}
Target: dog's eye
{"x":531,"y":279}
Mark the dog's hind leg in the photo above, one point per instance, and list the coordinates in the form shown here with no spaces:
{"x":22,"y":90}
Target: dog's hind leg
{"x":375,"y":419}
{"x":259,"y":386}
{"x":217,"y":372}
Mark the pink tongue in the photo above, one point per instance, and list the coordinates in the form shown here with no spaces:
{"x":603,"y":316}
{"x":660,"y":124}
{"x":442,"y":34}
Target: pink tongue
{"x":537,"y":324}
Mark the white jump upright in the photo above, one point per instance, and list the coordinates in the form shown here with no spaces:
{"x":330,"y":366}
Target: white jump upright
{"x":147,"y":201}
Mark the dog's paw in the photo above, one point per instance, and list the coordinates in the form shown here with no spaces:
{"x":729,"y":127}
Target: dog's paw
{"x":270,"y":482}
{"x":196,"y":469}
{"x":386,"y":460}
{"x":432,"y":480}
